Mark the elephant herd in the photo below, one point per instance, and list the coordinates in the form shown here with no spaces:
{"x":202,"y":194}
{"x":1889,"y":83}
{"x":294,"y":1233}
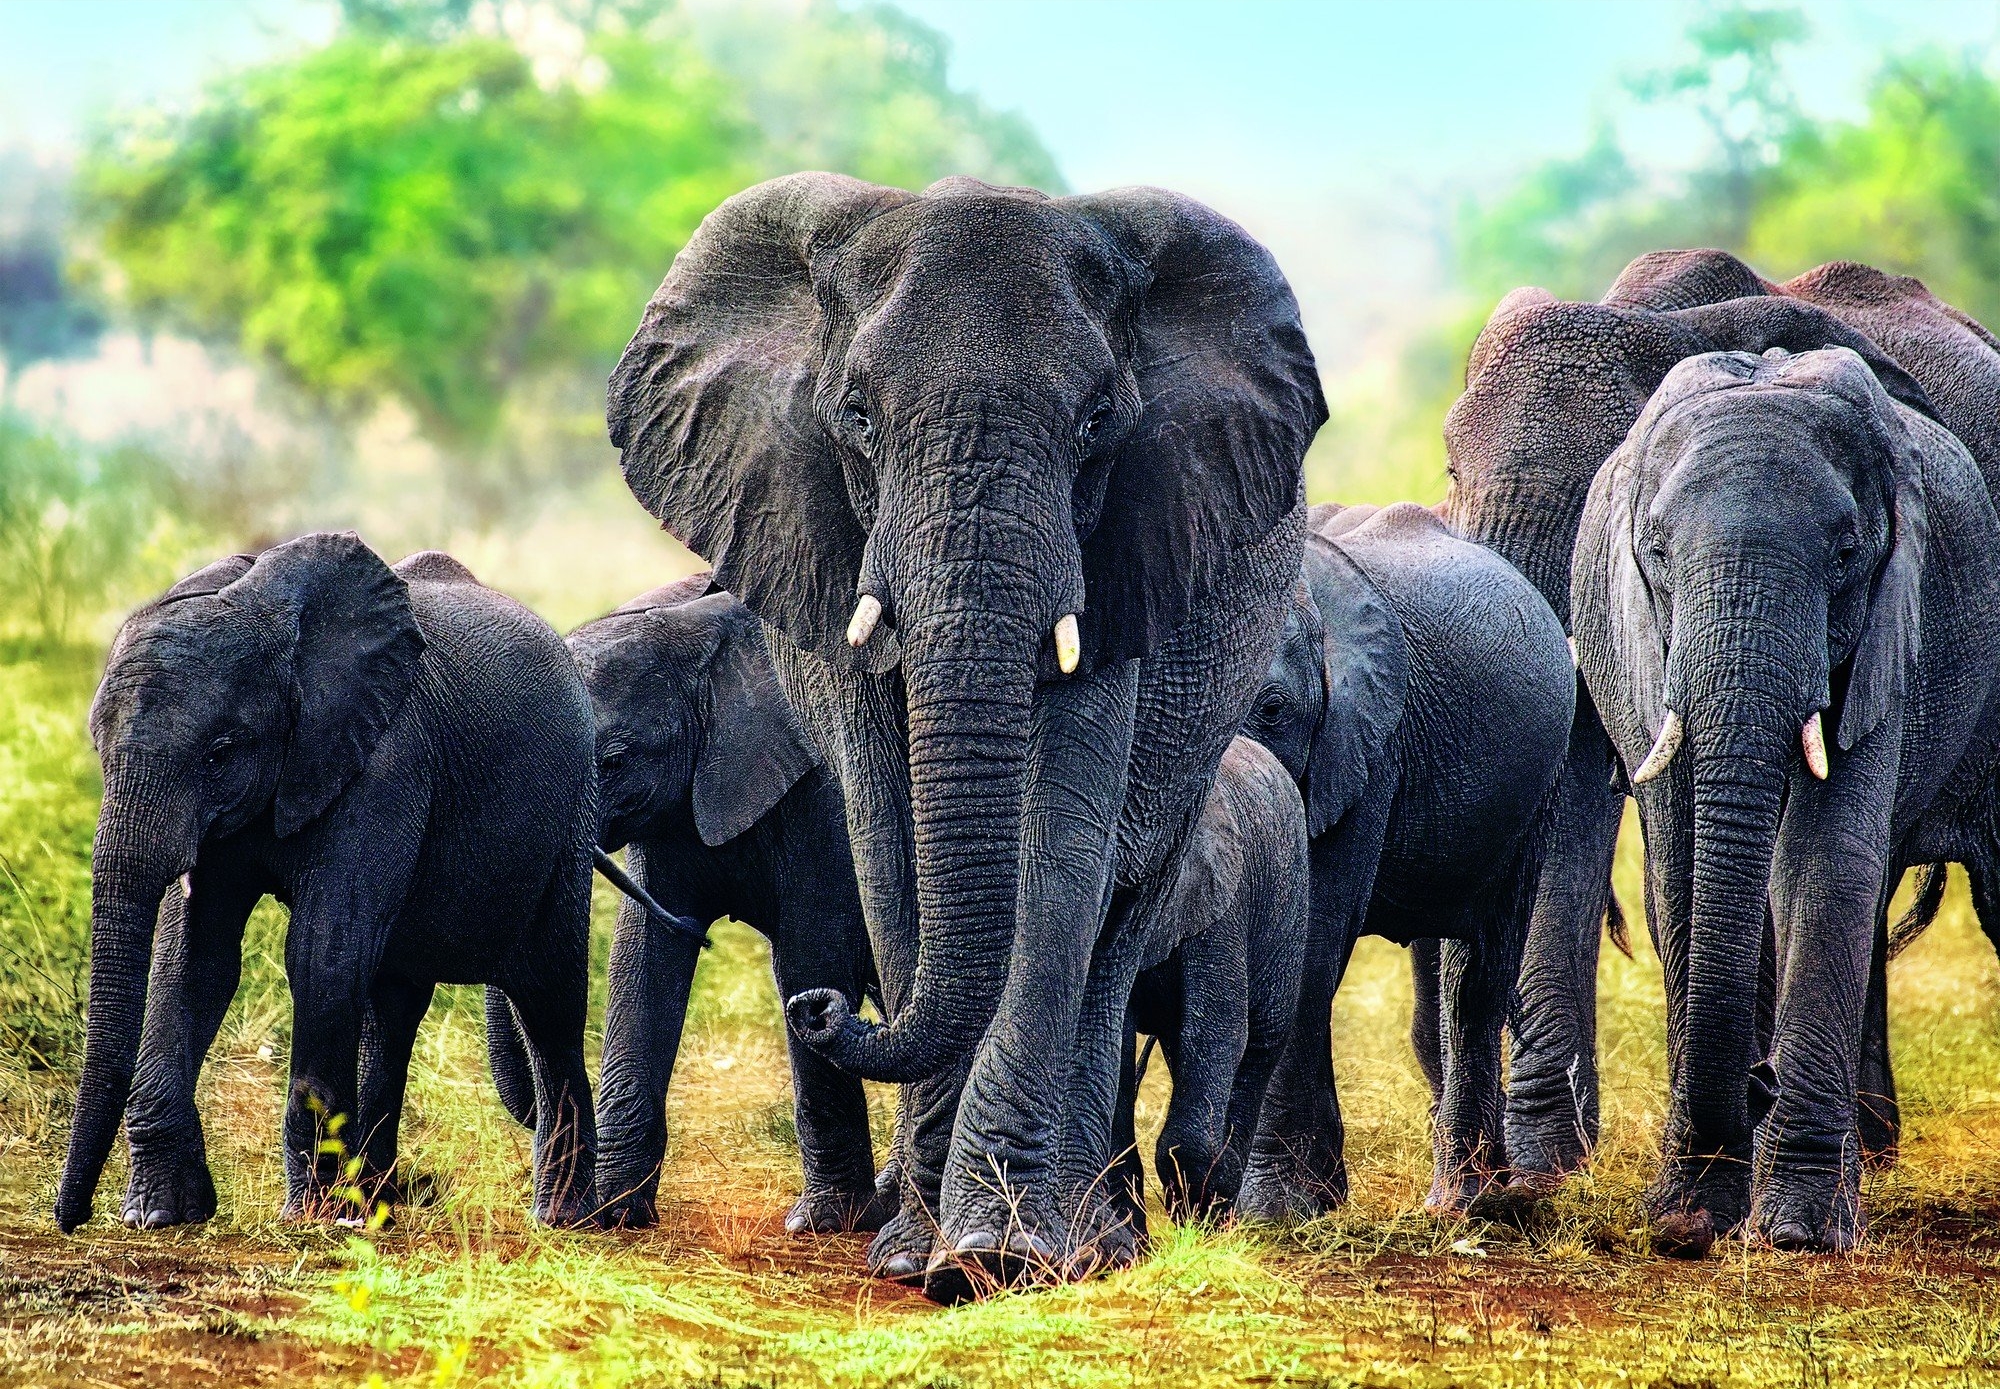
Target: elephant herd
{"x":1027,"y":706}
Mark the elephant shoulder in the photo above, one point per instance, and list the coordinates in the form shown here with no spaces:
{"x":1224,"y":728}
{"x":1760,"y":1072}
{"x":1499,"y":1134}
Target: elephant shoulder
{"x":1212,"y":864}
{"x":434,"y":567}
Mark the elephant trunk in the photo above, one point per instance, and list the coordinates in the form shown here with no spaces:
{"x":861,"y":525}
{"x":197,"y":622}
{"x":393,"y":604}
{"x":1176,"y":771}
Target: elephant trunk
{"x":131,"y":868}
{"x":1744,"y":717}
{"x":972,"y":630}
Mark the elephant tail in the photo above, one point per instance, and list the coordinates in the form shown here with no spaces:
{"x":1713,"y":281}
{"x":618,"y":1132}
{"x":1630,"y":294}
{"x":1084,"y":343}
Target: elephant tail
{"x":1614,"y":922}
{"x":621,"y":880}
{"x":513,"y":1077}
{"x":1931,"y":880}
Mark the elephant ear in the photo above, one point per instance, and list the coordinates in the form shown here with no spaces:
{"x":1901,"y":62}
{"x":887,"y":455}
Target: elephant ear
{"x":1230,"y":398}
{"x":754,"y":749}
{"x":712,"y":409}
{"x":208,"y":580}
{"x":1365,"y":678}
{"x":347,"y":637}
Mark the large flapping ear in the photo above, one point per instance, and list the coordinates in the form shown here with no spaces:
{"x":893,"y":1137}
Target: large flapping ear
{"x":1891,"y":636}
{"x":754,"y":749}
{"x":343,"y":630}
{"x":1366,"y":681}
{"x":1667,"y":280}
{"x":712,"y":408}
{"x":1760,"y":324}
{"x":1230,"y":398}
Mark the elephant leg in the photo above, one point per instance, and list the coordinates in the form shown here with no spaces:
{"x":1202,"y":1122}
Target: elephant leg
{"x":327,"y":1010}
{"x":1128,"y":1173}
{"x":1297,"y":1167}
{"x":651,"y":975}
{"x":1552,"y":1090}
{"x":1274,"y":954}
{"x":396,"y":1008}
{"x":1005,"y":1201}
{"x":1467,"y":1142}
{"x":1879,"y":1116}
{"x":197,"y":963}
{"x":550,"y":996}
{"x":1425,"y":1039}
{"x":1199,"y":1170}
{"x":1829,"y":908}
{"x":835,"y":1148}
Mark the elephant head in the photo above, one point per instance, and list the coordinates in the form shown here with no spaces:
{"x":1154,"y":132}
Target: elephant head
{"x":1748,"y":578}
{"x":986,"y":435}
{"x":690,"y":716}
{"x":252,"y":691}
{"x":1551,"y":387}
{"x":1337,"y":685}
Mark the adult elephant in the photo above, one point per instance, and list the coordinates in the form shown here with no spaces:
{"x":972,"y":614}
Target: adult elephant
{"x":1046,"y":454}
{"x":1785,"y":591}
{"x":1551,"y":389}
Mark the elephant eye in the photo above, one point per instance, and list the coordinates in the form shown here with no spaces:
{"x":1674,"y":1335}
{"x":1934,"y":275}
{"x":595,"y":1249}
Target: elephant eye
{"x":611,"y":759}
{"x":224,"y":747}
{"x":1093,"y":423}
{"x":1271,"y":707}
{"x":854,"y":416}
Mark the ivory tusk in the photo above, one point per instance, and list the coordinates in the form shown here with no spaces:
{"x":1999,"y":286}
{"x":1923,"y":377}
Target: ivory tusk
{"x":1664,"y":748}
{"x":1068,"y":645}
{"x":1572,"y":654}
{"x":1813,"y":739}
{"x":867,"y":612}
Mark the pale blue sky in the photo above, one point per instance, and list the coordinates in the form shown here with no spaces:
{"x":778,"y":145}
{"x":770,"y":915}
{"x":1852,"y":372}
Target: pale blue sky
{"x":1342,"y":133}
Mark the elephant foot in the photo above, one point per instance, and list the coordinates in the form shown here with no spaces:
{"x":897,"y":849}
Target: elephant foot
{"x":1457,"y":1188}
{"x":981,"y":1263}
{"x":634,"y":1210}
{"x":1545,"y":1149}
{"x":568,"y":1213}
{"x":1113,"y":1237}
{"x":901,"y":1250}
{"x":401,"y":1187}
{"x":173,"y":1188}
{"x":827,"y":1211}
{"x":1695,"y":1201}
{"x":1812,"y":1210}
{"x":1283,"y":1186}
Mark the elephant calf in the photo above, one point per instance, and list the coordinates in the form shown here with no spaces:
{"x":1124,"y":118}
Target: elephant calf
{"x":1422,"y":696}
{"x":708,"y":777}
{"x":402,"y":757}
{"x":1220,"y":1003}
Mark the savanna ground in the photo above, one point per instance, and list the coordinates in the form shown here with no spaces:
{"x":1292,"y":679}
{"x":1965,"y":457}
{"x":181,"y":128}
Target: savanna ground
{"x":465,"y":1291}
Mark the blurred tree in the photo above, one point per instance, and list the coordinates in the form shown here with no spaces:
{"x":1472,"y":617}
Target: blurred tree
{"x":42,"y":313}
{"x":461,"y":207}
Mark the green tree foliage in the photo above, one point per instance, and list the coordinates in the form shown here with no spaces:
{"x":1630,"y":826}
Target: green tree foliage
{"x":467,"y":222}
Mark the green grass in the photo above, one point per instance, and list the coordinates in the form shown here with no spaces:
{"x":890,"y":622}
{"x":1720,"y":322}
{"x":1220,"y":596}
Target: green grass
{"x":465,"y":1291}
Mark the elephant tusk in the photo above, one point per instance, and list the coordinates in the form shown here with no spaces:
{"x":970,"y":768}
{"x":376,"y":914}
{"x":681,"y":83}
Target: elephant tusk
{"x":187,"y":885}
{"x":1813,"y":739}
{"x":1664,"y":748}
{"x":867,"y":612}
{"x":1572,"y":654}
{"x":1068,"y":646}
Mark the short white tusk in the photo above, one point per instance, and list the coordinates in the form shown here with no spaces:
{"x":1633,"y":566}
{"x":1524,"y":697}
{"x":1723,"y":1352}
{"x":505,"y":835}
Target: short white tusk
{"x":861,"y":626}
{"x":1664,"y":748}
{"x":187,"y":885}
{"x":1068,"y":645}
{"x":1572,"y":654}
{"x":1813,"y":739}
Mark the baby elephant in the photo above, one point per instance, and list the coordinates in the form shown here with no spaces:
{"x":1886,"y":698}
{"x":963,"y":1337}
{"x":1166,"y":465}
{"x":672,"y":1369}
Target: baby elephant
{"x":1221,"y":1004}
{"x":403,"y":758}
{"x":708,"y":777}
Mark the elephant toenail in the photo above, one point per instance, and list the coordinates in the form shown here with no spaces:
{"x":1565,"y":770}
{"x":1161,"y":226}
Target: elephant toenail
{"x":1792,"y":1237}
{"x":976,"y":1242}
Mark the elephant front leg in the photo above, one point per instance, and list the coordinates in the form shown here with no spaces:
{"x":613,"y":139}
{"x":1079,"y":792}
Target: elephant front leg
{"x":836,"y":1151}
{"x":1468,"y":1151}
{"x":197,"y":963}
{"x":1002,"y":1212}
{"x":1806,"y":1192}
{"x":1552,"y":1092}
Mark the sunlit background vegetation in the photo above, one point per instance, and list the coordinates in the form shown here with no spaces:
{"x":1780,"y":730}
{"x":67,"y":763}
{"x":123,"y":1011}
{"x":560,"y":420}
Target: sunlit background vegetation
{"x":377,"y":279}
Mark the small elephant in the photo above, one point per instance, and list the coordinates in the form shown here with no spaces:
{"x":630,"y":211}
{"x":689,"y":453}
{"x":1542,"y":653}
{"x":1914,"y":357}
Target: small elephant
{"x":1220,"y":1003}
{"x":1422,"y":697}
{"x":404,"y":758}
{"x":1785,"y":593}
{"x":706,"y":774}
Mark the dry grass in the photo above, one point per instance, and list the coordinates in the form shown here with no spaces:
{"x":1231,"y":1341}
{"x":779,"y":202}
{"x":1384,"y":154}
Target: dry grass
{"x":464,"y":1291}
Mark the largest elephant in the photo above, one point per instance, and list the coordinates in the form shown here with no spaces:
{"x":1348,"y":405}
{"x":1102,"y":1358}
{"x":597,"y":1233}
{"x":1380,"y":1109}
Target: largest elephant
{"x":1552,"y":386}
{"x":1046,"y":453}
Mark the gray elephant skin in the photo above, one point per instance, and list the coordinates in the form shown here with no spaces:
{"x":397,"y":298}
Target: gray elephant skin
{"x":1219,"y":1002}
{"x":1551,"y":389}
{"x":724,"y":808}
{"x":1015,"y":484}
{"x":1785,"y":599}
{"x":1422,"y":698}
{"x":403,"y":758}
